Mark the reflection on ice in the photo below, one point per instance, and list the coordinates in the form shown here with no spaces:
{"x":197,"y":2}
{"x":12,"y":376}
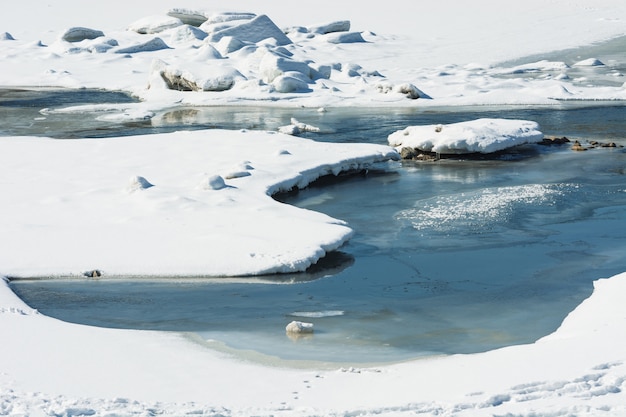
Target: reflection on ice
{"x":480,"y":211}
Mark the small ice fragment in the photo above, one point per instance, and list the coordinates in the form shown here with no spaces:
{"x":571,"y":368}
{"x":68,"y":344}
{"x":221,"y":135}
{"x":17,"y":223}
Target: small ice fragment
{"x":299,"y":327}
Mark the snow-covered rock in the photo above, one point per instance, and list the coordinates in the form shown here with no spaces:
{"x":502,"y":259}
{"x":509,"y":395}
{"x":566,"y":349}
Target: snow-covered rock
{"x":199,"y":77}
{"x":407,"y":89}
{"x":6,"y":36}
{"x":476,"y":136}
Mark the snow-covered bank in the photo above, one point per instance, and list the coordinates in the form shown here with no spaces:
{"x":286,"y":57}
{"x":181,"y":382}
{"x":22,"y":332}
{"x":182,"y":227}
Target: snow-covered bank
{"x":205,"y":57}
{"x":53,"y":368}
{"x":187,"y":203}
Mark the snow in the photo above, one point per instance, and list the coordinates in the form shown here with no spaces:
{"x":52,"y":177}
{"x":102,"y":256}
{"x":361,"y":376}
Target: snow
{"x":476,"y":136}
{"x":104,"y":206}
{"x":70,"y":189}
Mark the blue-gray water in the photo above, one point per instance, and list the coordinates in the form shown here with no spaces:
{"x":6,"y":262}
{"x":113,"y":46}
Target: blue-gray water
{"x":453,"y":256}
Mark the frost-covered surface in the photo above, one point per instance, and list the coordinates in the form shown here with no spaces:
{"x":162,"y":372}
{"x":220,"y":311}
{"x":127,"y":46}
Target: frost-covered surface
{"x":447,"y":52}
{"x":476,"y":136}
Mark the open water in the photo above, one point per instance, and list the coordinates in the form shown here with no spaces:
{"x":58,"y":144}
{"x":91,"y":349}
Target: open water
{"x":453,"y":256}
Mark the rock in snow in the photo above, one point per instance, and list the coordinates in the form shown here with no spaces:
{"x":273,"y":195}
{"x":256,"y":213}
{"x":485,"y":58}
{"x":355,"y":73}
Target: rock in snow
{"x":207,"y":78}
{"x":77,"y":34}
{"x":476,"y":136}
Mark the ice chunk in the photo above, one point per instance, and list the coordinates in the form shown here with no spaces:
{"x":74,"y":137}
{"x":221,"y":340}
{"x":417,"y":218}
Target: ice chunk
{"x":138,"y":183}
{"x":154,"y":24}
{"x":338,"y":26}
{"x":299,"y":327}
{"x":254,"y":31}
{"x":344,"y":37}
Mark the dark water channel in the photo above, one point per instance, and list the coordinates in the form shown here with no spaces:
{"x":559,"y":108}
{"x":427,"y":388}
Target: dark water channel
{"x":454,"y":256}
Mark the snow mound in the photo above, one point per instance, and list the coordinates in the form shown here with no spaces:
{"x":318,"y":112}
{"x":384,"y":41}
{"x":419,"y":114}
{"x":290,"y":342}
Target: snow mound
{"x":476,"y":136}
{"x":255,"y":30}
{"x":291,"y":82}
{"x":591,"y":62}
{"x":154,"y":44}
{"x":273,"y":65}
{"x":213,"y":182}
{"x":186,"y":33}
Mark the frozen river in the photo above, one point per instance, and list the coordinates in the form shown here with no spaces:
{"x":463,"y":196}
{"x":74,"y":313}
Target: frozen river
{"x":454,"y":256}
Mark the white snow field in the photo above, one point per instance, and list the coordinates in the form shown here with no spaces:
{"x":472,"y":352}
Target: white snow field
{"x":217,"y":184}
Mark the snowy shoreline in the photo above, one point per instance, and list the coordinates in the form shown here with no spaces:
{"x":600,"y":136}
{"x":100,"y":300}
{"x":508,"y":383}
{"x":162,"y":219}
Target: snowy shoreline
{"x":166,"y":202}
{"x":555,"y":375}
